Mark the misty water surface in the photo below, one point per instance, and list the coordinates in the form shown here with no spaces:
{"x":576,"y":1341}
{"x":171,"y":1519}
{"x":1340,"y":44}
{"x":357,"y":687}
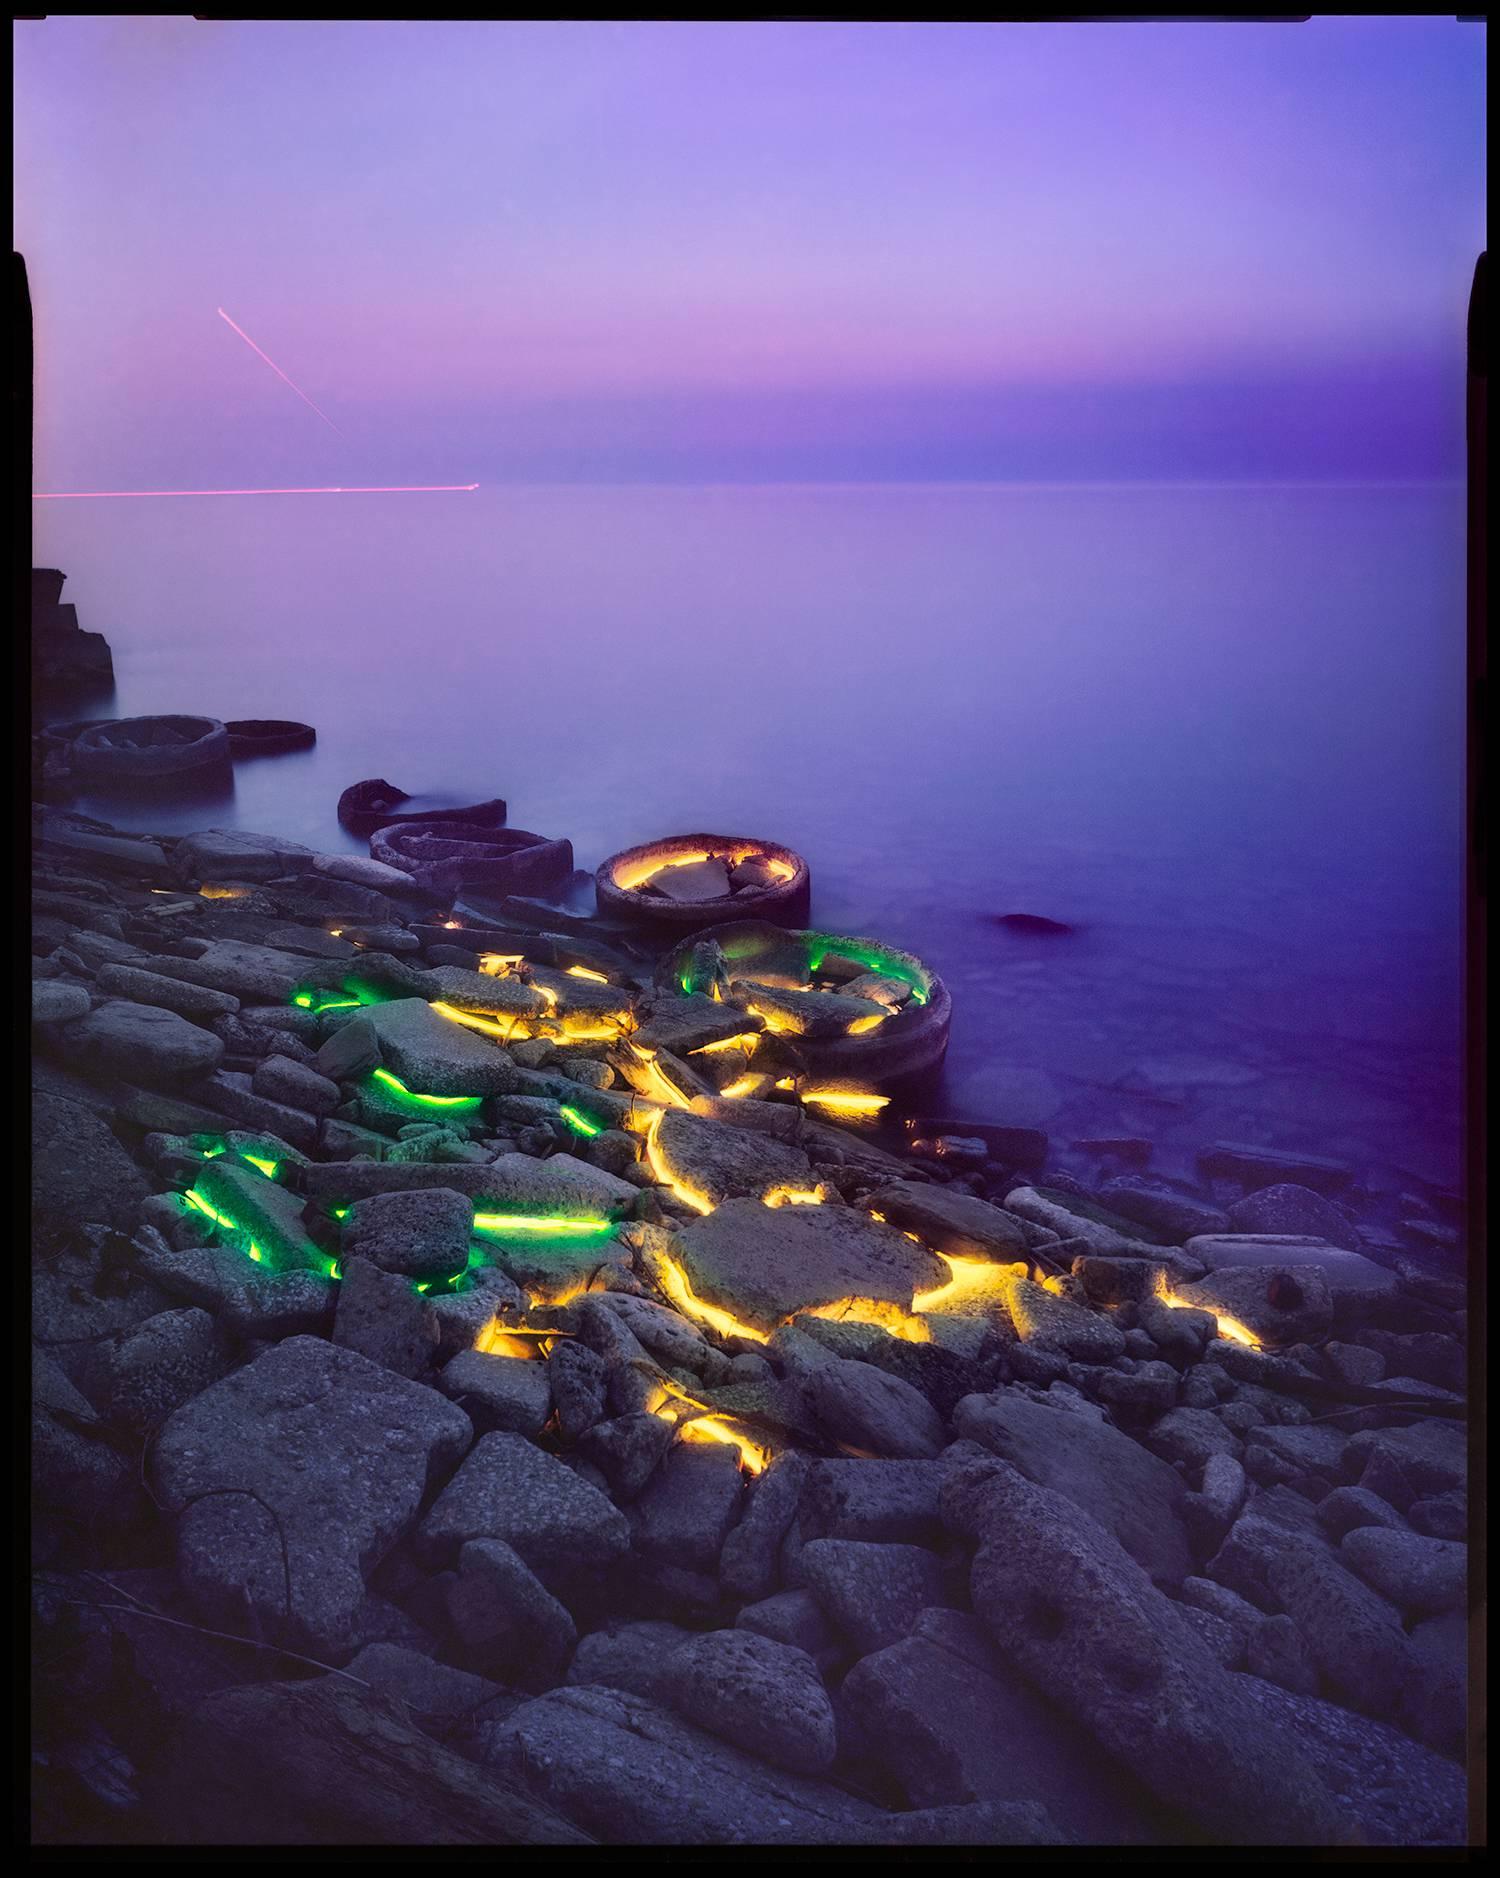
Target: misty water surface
{"x":1219,"y":729}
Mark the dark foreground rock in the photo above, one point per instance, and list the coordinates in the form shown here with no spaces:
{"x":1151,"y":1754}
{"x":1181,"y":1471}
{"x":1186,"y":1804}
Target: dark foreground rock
{"x":332,"y":1763}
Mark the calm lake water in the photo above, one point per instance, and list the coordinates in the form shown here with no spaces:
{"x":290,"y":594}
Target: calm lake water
{"x":1218,"y":729}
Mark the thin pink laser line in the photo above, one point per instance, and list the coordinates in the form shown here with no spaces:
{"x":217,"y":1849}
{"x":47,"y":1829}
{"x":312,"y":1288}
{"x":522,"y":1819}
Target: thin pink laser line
{"x":279,"y":373}
{"x":378,"y":489}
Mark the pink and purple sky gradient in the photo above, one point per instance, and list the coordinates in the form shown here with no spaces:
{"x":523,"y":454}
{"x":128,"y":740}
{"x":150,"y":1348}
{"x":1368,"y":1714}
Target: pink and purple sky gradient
{"x":600,"y":251}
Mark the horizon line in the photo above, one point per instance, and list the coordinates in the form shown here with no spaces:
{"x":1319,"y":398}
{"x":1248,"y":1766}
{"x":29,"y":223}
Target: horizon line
{"x":387,"y":489}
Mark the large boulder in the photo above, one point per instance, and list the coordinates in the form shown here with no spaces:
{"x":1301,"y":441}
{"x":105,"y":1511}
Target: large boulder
{"x":1135,"y":1496}
{"x":865,"y":1407}
{"x":763,"y":1264}
{"x":950,"y":1220}
{"x":765,"y":1697}
{"x":634,"y":1774}
{"x":292,"y":1478}
{"x":143,"y":1041}
{"x":718,"y":1162}
{"x":1070,"y":1609}
{"x":436,"y":1055}
{"x":1288,"y":1208}
{"x":236,"y":854}
{"x":79,"y":1173}
{"x":509,"y":1490}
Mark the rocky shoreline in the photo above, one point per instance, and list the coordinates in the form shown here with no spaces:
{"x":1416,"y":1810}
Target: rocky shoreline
{"x":440,"y":1437}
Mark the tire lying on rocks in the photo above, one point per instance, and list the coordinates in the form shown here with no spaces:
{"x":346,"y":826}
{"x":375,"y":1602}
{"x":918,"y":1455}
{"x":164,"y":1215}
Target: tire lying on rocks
{"x":367,"y":807}
{"x":778,"y":887}
{"x":268,"y":736}
{"x":910,"y":1042}
{"x":445,"y":856}
{"x":146,"y":748}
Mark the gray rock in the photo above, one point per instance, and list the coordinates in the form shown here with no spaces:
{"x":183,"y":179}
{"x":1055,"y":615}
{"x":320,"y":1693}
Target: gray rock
{"x":751,"y":1550}
{"x":1260,"y":1167}
{"x":948,"y":1719}
{"x":79,"y":1172}
{"x":1348,"y":1507}
{"x":1428,"y":1355}
{"x":885,"y":1501}
{"x":1055,"y":1323}
{"x":436,"y":1695}
{"x":279,"y":1079}
{"x":872,"y":1594}
{"x":1275,"y":1453}
{"x":1442,"y":1516}
{"x":56,"y":1003}
{"x":434,"y":1055}
{"x":1420,"y":1576}
{"x":142,"y":1041}
{"x":502,"y":1612}
{"x":1353,"y":1363}
{"x":950,"y":1221}
{"x":631,"y":1773}
{"x":382,"y":1317}
{"x":578,"y":1382}
{"x":1134,"y":1495}
{"x":1145,"y":1392}
{"x":628,"y":1656}
{"x":1275,"y":1649}
{"x":863,"y":1406}
{"x":1069,"y":1608}
{"x":981,"y":1822}
{"x":1219,"y":1601}
{"x":424,"y":1234}
{"x":350,"y":1053}
{"x":1289,"y":1209}
{"x":688,"y":1507}
{"x":201,"y":1003}
{"x":1100,"y":1240}
{"x":280,"y":1304}
{"x":1389,"y":1790}
{"x":721,"y":1162}
{"x":1226,"y":1642}
{"x":221,"y":854}
{"x":764,"y":1264}
{"x":509,"y":1490}
{"x":1354,"y":1283}
{"x":311,"y":1449}
{"x":794,"y":1617}
{"x":500,"y":1394}
{"x":763,"y":1696}
{"x":1354,"y":1635}
{"x":152,"y":1372}
{"x":1434,"y":1702}
{"x":230,"y":1093}
{"x":1431,"y":1456}
{"x":1191,"y":1436}
{"x":627,"y":1451}
{"x":1175,"y":1216}
{"x":1281,"y":1304}
{"x":1272,"y":1520}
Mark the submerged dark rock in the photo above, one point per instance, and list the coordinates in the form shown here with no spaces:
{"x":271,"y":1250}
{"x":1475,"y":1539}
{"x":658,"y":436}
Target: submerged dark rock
{"x":1032,"y":923}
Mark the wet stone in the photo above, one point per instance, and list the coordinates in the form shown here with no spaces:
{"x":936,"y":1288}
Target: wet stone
{"x":764,"y":1696}
{"x":499,"y":1394}
{"x":1288,"y":1208}
{"x":509,"y":1490}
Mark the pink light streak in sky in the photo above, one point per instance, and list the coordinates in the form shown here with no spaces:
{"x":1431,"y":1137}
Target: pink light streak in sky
{"x":389,"y":489}
{"x":280,"y":374}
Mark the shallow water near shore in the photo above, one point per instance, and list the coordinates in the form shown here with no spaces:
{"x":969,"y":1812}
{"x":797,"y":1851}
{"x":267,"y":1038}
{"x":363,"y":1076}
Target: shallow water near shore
{"x":1217,"y":729}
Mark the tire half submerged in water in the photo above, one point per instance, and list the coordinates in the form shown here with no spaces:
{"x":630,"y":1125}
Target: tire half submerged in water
{"x":145,"y":749}
{"x":365,"y":808}
{"x":785,"y":899}
{"x":268,"y":736}
{"x":444,"y":857}
{"x":911,"y":1042}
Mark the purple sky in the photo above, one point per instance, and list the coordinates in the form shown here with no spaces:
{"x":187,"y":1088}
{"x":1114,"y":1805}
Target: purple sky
{"x":702,"y":252}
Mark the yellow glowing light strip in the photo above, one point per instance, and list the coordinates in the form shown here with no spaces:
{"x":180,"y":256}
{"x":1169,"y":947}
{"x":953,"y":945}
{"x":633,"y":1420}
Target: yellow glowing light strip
{"x":846,"y":1101}
{"x":658,"y":1171}
{"x":675,"y":1284}
{"x":522,"y":1222}
{"x":491,"y":963}
{"x":862,"y":1024}
{"x":666,"y":1090}
{"x":747,"y":1085}
{"x":779,"y":1021}
{"x":471,"y":1020}
{"x":1229,"y":1327}
{"x":216,"y":893}
{"x":746,"y":1040}
{"x":268,"y":1168}
{"x":582,"y":971}
{"x":793,"y":1196}
{"x":882,"y":1313}
{"x":973,"y":1281}
{"x":710,"y":1428}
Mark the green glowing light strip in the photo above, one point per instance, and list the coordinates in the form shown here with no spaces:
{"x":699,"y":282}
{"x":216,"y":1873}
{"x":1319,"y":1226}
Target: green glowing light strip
{"x":522,"y":1222}
{"x":268,"y":1168}
{"x":397,"y":1087}
{"x":580,"y":1124}
{"x":873,"y":960}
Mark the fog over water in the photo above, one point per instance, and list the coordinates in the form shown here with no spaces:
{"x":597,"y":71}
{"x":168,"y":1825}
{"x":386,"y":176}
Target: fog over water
{"x":1218,"y":728}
